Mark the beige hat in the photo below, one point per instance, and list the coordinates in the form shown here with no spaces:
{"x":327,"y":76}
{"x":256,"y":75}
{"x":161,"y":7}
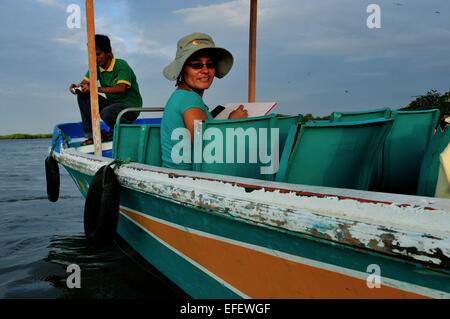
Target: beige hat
{"x":193,"y":43}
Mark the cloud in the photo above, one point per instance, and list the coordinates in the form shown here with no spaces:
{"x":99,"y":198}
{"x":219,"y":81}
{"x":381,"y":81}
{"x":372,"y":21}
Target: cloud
{"x":140,"y":44}
{"x":233,"y":13}
{"x":73,"y":39}
{"x":49,"y":2}
{"x":53,"y":3}
{"x":308,"y":52}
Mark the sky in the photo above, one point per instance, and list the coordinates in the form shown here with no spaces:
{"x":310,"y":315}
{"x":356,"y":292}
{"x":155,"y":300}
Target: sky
{"x":312,"y":56}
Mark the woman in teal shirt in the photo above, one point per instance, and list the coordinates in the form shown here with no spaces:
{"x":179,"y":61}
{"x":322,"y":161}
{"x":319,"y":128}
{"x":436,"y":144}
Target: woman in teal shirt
{"x":197,"y":62}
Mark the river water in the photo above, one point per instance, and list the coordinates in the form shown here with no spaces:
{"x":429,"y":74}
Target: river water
{"x":40,"y":239}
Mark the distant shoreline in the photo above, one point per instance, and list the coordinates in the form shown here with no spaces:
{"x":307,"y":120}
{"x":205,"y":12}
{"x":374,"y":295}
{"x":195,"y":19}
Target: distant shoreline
{"x":23,"y":136}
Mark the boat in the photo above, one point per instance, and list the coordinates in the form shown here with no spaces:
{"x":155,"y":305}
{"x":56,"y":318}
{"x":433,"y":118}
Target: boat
{"x":286,"y":235}
{"x":219,"y":236}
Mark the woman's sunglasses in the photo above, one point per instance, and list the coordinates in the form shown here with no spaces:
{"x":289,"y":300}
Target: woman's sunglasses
{"x":198,"y":65}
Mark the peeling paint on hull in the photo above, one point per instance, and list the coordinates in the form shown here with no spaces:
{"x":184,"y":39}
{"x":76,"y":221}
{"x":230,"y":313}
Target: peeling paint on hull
{"x":411,"y":229}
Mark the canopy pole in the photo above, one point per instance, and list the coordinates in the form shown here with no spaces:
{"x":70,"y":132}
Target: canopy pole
{"x":95,"y":115}
{"x":252,"y":51}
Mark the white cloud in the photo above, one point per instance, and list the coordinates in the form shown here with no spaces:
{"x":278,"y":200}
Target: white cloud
{"x":140,"y":44}
{"x":233,"y":13}
{"x":48,"y":2}
{"x":71,"y":39}
{"x":53,"y":3}
{"x":236,"y":13}
{"x":309,"y":52}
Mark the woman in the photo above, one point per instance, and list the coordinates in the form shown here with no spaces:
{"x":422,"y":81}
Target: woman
{"x":197,"y":62}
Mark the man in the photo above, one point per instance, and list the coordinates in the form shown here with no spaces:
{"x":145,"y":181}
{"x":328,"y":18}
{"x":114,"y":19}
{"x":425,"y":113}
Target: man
{"x":118,"y":83}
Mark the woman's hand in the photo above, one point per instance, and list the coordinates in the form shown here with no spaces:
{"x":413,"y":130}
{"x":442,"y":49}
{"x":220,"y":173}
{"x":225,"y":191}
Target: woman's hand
{"x":239,"y":113}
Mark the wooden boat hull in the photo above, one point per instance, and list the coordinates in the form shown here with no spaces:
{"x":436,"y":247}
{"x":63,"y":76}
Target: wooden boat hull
{"x":211,"y":254}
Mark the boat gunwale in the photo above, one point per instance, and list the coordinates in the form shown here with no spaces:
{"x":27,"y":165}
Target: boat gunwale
{"x":377,"y":237}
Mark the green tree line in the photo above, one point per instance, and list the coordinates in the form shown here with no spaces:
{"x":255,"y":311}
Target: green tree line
{"x":24,"y":136}
{"x":432,"y":99}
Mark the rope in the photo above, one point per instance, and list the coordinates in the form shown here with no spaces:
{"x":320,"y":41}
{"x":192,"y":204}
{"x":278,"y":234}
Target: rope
{"x":66,"y":138}
{"x":117,"y":163}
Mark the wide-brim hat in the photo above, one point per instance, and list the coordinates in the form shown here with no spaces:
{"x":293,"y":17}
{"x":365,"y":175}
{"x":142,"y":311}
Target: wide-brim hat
{"x":194,"y":43}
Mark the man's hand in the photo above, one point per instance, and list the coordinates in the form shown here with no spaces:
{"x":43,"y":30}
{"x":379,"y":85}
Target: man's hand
{"x":72,"y":88}
{"x":84,"y":87}
{"x":239,"y":113}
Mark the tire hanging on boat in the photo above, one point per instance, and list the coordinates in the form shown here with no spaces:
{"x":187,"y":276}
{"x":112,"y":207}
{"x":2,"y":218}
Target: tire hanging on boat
{"x":52,"y":177}
{"x":101,"y":210}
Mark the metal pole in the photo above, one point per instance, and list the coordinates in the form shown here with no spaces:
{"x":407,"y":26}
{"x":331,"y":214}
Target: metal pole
{"x":252,"y":51}
{"x":95,"y":115}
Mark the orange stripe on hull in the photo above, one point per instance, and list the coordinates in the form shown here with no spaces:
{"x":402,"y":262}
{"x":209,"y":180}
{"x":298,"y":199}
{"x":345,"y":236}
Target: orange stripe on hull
{"x":261,"y":275}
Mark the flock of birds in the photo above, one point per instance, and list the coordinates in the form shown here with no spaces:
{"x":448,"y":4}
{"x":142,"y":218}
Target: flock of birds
{"x":398,"y":4}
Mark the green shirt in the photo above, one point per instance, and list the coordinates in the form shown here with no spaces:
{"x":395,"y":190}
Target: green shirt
{"x":179,"y":102}
{"x":120,"y":72}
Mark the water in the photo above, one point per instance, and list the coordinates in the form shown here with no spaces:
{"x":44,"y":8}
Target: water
{"x":39,"y":239}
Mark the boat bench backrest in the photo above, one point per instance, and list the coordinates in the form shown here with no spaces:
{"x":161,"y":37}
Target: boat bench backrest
{"x":375,"y":183}
{"x":284,"y":124}
{"x":429,"y":170}
{"x":333,"y":154}
{"x":360,"y":115}
{"x":239,"y":154}
{"x":405,"y":148}
{"x":138,"y":143}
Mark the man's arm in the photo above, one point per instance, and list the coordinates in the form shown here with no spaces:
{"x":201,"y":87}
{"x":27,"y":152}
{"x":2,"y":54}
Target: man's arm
{"x":84,"y":86}
{"x":118,"y":88}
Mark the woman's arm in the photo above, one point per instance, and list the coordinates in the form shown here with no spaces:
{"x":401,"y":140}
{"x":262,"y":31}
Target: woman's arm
{"x":190,"y":116}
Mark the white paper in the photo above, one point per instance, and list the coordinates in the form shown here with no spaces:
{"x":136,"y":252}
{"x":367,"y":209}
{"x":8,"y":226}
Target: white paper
{"x":253,"y":109}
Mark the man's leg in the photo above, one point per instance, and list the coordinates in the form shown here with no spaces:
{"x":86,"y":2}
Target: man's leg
{"x":109,"y":115}
{"x":84,"y":103}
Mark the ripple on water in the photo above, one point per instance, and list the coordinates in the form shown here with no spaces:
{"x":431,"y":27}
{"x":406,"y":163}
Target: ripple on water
{"x":39,"y":239}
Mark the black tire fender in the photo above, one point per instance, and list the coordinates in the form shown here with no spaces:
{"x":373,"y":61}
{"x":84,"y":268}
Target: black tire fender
{"x":52,"y":177}
{"x":101,"y":210}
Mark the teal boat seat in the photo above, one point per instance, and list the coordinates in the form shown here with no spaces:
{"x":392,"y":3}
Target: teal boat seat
{"x":405,"y":148}
{"x":284,"y":124}
{"x":333,"y":154}
{"x":360,"y":115}
{"x":429,"y":170}
{"x":247,"y":143}
{"x":139,"y":143}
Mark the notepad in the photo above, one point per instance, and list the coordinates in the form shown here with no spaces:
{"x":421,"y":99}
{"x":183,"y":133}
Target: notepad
{"x":253,"y":109}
